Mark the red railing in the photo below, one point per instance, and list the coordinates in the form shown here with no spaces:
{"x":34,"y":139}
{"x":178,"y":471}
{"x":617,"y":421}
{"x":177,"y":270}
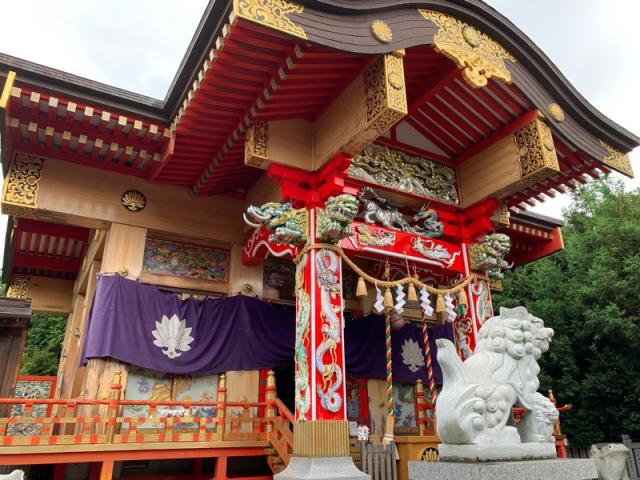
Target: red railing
{"x":103,"y":422}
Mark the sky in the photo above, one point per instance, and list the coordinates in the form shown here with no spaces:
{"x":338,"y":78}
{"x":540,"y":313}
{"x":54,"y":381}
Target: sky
{"x":138,"y":45}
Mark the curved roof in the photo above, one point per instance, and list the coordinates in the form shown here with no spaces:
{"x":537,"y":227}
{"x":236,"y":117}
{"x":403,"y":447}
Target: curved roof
{"x":302,"y":56}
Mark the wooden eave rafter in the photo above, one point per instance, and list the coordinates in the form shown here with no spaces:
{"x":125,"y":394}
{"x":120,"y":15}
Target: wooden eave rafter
{"x":47,"y":249}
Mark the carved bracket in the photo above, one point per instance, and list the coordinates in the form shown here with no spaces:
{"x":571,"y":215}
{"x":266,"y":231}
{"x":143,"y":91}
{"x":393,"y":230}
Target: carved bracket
{"x":20,"y":192}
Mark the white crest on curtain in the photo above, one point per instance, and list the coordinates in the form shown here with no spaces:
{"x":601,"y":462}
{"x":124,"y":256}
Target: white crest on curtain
{"x":412,"y":355}
{"x":173,"y":335}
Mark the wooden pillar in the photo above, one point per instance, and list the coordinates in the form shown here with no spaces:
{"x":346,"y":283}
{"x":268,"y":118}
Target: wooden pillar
{"x":221,"y":410}
{"x":321,"y":428}
{"x":221,"y":468}
{"x":114,"y":406}
{"x":106,"y":470}
{"x":270,"y":396}
{"x":420,"y":406}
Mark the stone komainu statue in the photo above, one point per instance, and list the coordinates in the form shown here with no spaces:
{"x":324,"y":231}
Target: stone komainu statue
{"x":475,"y":404}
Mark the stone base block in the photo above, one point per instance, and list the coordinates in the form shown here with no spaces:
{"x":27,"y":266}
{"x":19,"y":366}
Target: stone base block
{"x":321,"y":468}
{"x":493,"y":453}
{"x":558,"y":469}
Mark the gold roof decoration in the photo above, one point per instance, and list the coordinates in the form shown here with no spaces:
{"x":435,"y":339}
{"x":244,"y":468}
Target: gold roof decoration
{"x":617,"y":160}
{"x":133,"y":200}
{"x":272,"y":14}
{"x":480,"y":57}
{"x":381,"y":31}
{"x":556,"y":112}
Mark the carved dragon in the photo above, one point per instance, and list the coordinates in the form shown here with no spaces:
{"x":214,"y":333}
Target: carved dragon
{"x":380,"y":211}
{"x":488,"y":255}
{"x":334,"y":220}
{"x":288,"y":225}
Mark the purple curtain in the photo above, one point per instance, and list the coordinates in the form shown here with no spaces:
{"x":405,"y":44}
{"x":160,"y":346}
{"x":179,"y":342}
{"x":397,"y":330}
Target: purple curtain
{"x":365,"y":354}
{"x":230,"y":333}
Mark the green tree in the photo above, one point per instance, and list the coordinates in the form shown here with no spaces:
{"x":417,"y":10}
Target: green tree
{"x":589,"y":295}
{"x":44,"y":345}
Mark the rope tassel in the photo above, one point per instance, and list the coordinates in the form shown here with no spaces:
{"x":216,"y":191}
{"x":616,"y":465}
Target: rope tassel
{"x":411,"y":293}
{"x":361,"y":289}
{"x":440,"y":305}
{"x":388,"y":299}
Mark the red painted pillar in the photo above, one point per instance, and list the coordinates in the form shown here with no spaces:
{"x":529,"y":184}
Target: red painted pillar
{"x":221,"y":468}
{"x":319,"y":348}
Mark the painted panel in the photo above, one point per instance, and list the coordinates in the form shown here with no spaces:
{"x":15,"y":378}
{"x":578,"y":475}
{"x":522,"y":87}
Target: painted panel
{"x":182,"y":260}
{"x":404,"y":406}
{"x":30,"y":388}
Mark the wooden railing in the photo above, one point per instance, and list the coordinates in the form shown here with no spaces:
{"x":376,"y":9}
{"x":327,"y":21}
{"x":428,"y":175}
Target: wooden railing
{"x":164,"y":421}
{"x":42,"y":422}
{"x":281,"y":437}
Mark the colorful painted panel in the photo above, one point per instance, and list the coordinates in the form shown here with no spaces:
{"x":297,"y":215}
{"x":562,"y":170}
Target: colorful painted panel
{"x":404,"y":408}
{"x":153,"y":386}
{"x":30,"y":388}
{"x":280,"y":275}
{"x":181,"y":260}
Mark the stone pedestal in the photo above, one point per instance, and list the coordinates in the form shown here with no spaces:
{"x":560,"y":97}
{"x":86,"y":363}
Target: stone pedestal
{"x":321,"y":468}
{"x":497,"y":452}
{"x":558,"y":469}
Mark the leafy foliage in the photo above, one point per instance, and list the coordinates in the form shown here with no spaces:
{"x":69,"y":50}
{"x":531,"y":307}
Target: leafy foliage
{"x":589,"y":295}
{"x":44,"y":344}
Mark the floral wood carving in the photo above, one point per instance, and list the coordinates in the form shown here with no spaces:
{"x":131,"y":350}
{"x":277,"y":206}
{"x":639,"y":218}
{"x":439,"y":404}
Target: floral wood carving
{"x":19,"y":287}
{"x":271,"y":13}
{"x":381,"y":31}
{"x":617,"y":160}
{"x":480,"y":57}
{"x":21,"y":186}
{"x":408,"y":173}
{"x":133,"y":200}
{"x":255,"y":146}
{"x":386,"y":95}
{"x":537,"y":152}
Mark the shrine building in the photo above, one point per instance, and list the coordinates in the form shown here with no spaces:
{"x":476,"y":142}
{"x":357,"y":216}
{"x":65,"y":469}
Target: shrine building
{"x":256,"y":267}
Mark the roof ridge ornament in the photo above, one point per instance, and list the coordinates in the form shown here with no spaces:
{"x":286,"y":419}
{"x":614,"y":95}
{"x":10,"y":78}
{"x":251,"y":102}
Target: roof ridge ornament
{"x":270,"y":13}
{"x":479,"y":56}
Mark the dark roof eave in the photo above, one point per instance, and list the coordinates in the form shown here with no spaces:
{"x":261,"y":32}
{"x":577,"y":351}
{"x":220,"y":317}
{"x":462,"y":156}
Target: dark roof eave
{"x":472,"y":11}
{"x":511,"y":37}
{"x":537,"y":220}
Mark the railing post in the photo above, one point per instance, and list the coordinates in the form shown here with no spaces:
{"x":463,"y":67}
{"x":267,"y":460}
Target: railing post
{"x":114,"y":406}
{"x":270,"y":396}
{"x":221,"y":410}
{"x":422,"y":420}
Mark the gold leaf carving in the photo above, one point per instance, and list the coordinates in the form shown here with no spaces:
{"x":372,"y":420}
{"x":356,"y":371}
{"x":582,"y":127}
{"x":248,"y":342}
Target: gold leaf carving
{"x":404,"y":172}
{"x":272,"y":14}
{"x":556,"y":112}
{"x":386,"y":94}
{"x":256,"y":144}
{"x":617,"y":160}
{"x":536,"y":150}
{"x":133,"y":200}
{"x":480,"y":57}
{"x":19,"y":287}
{"x":20,"y":197}
{"x":381,"y":31}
